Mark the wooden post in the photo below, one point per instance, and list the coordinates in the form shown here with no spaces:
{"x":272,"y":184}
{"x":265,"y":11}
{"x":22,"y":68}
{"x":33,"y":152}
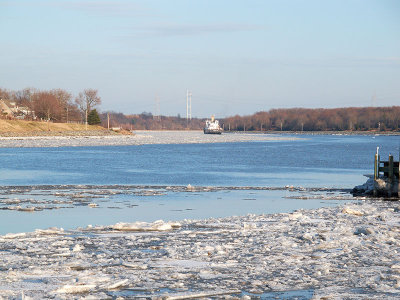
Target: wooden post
{"x":391,"y":169}
{"x":377,"y":164}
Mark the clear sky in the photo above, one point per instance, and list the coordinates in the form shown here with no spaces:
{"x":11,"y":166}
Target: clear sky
{"x":237,"y":57}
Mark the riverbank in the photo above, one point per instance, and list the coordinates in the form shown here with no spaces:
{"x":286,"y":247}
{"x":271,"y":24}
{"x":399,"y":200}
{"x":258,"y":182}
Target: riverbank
{"x":138,"y":138}
{"x":346,"y":132}
{"x":14,"y":128}
{"x":348,"y":252}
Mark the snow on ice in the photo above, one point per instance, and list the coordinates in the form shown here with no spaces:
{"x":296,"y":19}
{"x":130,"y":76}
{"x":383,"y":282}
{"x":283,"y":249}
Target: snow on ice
{"x":332,"y":253}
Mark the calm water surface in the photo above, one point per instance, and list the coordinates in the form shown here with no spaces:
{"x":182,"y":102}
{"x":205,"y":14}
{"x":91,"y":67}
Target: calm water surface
{"x":312,"y":161}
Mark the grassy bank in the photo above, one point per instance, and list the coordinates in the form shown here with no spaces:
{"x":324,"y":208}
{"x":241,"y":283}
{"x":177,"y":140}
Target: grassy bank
{"x":35,"y":128}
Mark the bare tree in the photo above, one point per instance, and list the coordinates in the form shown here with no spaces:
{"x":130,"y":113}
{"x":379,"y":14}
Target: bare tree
{"x":46,"y":106}
{"x":62,"y":96}
{"x":25,"y":97}
{"x":64,"y":99}
{"x":4,"y":94}
{"x":88,"y":99}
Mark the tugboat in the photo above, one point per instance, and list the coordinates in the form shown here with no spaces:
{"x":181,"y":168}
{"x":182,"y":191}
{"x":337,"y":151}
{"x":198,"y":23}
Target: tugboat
{"x":212,"y":127}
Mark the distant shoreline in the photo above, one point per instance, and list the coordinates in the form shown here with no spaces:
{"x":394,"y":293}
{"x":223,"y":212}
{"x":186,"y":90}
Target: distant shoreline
{"x":100,"y":132}
{"x":322,"y":132}
{"x":144,"y":137}
{"x":139,"y":138}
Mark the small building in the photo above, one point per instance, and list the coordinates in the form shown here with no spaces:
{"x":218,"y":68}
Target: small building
{"x":10,"y":109}
{"x":5,"y":108}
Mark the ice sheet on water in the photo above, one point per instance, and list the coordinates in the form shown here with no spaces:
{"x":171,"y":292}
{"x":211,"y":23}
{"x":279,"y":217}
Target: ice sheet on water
{"x":144,"y":226}
{"x":31,"y":199}
{"x":304,"y":250}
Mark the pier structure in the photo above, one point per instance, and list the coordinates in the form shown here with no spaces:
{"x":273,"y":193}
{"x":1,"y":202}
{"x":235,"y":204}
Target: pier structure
{"x":386,"y":176}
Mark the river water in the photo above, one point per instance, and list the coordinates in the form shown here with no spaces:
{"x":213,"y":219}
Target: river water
{"x":77,"y":186}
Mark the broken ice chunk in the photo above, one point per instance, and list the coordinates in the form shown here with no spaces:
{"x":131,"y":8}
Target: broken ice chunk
{"x":75,"y":289}
{"x":118,"y":285}
{"x":78,"y":248}
{"x":144,"y":226}
{"x":363,"y":230}
{"x":350,"y":211}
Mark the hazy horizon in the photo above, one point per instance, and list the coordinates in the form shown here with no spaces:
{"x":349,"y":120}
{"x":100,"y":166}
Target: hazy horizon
{"x":235,"y":57}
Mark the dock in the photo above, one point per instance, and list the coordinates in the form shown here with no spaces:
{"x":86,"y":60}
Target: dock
{"x":385,"y":181}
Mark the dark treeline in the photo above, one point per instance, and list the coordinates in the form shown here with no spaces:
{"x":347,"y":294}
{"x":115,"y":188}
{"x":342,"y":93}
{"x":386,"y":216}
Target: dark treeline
{"x":58,"y":105}
{"x":304,"y":119}
{"x":146,"y":121}
{"x":293,"y":119}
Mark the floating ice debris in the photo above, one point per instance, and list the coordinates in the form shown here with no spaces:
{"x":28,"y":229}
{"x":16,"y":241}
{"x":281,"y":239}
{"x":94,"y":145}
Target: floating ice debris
{"x":144,"y":226}
{"x":78,"y":248}
{"x":118,"y":285}
{"x":203,"y":295}
{"x":13,"y":235}
{"x":351,"y":211}
{"x":307,"y":250}
{"x":75,"y":289}
{"x":364,"y":230}
{"x":50,"y":231}
{"x":71,"y":196}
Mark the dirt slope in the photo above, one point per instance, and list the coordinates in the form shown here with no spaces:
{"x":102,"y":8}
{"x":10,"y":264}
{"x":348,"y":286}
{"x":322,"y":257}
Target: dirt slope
{"x":33,"y":128}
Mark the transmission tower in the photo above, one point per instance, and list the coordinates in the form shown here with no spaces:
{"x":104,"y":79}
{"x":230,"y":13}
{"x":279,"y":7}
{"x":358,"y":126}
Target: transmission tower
{"x":373,"y":99}
{"x":188,"y":105}
{"x":157,"y":114}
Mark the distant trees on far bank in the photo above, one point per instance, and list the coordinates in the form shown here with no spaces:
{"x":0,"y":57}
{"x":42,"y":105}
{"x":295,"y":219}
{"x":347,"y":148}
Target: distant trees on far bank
{"x":306,"y":119}
{"x":58,"y":105}
{"x":293,"y":119}
{"x":146,"y":121}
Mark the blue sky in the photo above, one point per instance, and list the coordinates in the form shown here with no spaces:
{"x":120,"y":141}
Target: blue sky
{"x":237,"y":57}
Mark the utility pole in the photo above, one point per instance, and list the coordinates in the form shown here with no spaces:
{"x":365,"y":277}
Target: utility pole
{"x":86,"y":120}
{"x":157,"y":115}
{"x":108,"y":121}
{"x":373,"y":99}
{"x":188,"y":107}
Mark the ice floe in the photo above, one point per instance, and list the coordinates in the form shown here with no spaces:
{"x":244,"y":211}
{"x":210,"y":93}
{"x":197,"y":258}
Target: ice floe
{"x":350,"y":251}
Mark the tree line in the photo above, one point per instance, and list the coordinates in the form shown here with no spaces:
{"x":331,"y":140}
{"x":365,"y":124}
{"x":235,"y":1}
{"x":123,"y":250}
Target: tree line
{"x":305,"y":119}
{"x":293,"y":119}
{"x":56,"y":105}
{"x":147,"y":121}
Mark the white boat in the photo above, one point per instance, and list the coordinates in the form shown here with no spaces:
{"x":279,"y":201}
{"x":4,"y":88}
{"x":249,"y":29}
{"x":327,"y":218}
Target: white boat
{"x":212,"y":127}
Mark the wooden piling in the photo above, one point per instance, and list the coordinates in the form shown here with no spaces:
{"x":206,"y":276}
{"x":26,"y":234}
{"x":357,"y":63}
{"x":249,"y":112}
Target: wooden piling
{"x":377,"y":164}
{"x":390,"y":175}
